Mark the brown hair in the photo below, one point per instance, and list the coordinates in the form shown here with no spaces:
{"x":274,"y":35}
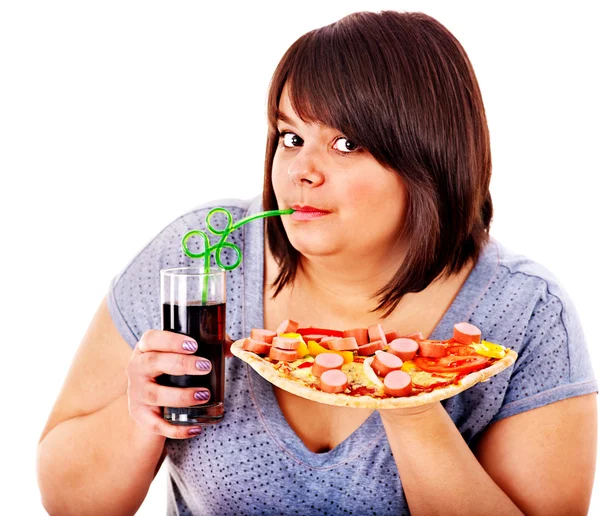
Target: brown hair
{"x":401,"y":86}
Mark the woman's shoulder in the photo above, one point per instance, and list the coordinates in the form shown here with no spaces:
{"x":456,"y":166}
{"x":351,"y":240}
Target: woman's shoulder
{"x":236,"y":207}
{"x":519,"y":303}
{"x":525,"y":306}
{"x":246,"y":204}
{"x":166,"y":244}
{"x":164,"y":248}
{"x":134,"y":293}
{"x":525,"y":277}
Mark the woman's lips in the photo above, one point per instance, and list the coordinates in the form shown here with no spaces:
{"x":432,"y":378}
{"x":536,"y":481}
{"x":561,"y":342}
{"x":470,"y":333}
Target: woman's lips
{"x":307,"y":213}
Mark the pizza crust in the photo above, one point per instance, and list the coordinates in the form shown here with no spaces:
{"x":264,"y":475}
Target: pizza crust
{"x":266,"y":370}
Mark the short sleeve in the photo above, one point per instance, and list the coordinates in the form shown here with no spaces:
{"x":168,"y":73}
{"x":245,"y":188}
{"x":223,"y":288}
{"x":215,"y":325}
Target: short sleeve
{"x":134,"y":294}
{"x":553,"y":363}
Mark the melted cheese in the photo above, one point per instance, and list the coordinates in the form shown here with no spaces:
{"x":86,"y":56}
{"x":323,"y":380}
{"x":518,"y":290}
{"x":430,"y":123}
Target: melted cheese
{"x":423,"y":379}
{"x":354,"y":371}
{"x":356,"y":375}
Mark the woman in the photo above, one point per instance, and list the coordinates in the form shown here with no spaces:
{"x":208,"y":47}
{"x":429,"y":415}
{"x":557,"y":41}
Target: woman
{"x":378,"y":139}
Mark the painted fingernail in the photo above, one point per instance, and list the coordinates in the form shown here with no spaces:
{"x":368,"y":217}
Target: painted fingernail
{"x":189,"y":345}
{"x":203,"y":365}
{"x":194,"y":431}
{"x":202,"y":395}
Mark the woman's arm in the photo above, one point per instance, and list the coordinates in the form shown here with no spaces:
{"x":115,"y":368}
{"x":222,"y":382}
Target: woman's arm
{"x":93,"y":458}
{"x":539,"y":462}
{"x":545,"y":458}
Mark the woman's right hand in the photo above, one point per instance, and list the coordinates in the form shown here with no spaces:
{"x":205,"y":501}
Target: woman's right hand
{"x":163,"y":352}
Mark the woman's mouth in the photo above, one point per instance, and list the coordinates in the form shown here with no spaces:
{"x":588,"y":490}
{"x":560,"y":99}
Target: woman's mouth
{"x":307,"y":212}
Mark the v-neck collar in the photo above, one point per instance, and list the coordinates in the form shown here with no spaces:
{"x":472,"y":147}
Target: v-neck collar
{"x":371,"y":431}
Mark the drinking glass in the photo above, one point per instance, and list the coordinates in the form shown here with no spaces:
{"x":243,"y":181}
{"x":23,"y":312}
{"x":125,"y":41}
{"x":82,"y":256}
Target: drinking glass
{"x":193,"y":304}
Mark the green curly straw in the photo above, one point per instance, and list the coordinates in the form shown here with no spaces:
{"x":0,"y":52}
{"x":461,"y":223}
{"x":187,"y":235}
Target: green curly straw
{"x":221,"y":244}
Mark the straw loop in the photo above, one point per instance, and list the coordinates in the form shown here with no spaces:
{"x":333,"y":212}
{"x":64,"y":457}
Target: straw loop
{"x":238,"y":252}
{"x":215,"y":231}
{"x":223,"y":233}
{"x":187,"y":251}
{"x":221,"y":244}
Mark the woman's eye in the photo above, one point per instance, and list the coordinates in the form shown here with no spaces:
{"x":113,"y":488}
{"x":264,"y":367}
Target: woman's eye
{"x":291,"y":140}
{"x":345,"y":145}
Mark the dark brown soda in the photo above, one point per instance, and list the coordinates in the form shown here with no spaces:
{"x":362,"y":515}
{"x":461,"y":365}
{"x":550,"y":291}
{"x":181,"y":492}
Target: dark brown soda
{"x":206,"y":325}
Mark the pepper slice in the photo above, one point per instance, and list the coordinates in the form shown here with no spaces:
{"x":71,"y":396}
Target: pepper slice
{"x":302,"y":350}
{"x":409,"y":366}
{"x":291,"y":335}
{"x":488,"y":349}
{"x":315,"y":349}
{"x":319,"y":331}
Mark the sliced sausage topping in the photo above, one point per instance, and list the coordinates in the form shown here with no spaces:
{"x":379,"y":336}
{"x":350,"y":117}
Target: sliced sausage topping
{"x":376,"y":333}
{"x":287,"y":326}
{"x":403,"y":348}
{"x":256,"y":346}
{"x":385,"y":363}
{"x":397,"y":383}
{"x":325,"y":362}
{"x":287,"y":355}
{"x":370,"y":348}
{"x":326,"y":340}
{"x":361,"y":335}
{"x":418,"y":336}
{"x":287,"y":342}
{"x":391,"y":336}
{"x":262,"y":335}
{"x":467,"y":333}
{"x":316,"y":338}
{"x":334,"y":381}
{"x":432,"y":348}
{"x":343,"y":344}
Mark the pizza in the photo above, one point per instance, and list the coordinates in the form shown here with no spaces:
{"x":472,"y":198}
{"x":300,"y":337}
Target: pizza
{"x":369,"y":368}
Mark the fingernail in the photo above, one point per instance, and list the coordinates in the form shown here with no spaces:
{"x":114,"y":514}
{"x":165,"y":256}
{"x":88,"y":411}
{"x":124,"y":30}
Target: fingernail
{"x":189,"y":345}
{"x":203,"y":365}
{"x":202,"y":395}
{"x":194,"y":431}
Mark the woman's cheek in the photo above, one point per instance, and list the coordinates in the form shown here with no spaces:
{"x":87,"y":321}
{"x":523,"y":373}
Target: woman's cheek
{"x":359,"y":195}
{"x":278,"y":182}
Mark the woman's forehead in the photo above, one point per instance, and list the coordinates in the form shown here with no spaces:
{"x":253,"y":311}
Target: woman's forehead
{"x":286,"y":111}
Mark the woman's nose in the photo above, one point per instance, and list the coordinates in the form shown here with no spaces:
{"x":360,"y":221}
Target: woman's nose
{"x":306,"y":169}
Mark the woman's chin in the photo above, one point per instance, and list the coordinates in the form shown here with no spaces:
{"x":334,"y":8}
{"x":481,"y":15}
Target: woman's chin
{"x":313,"y":246}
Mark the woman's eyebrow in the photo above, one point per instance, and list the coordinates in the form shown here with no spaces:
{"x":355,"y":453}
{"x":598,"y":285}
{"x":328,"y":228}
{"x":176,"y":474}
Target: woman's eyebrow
{"x":281,"y":116}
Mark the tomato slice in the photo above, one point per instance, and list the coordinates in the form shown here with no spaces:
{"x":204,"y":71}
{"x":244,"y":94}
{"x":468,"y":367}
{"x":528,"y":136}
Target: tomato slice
{"x":460,"y":350}
{"x":451,"y":363}
{"x":319,"y":331}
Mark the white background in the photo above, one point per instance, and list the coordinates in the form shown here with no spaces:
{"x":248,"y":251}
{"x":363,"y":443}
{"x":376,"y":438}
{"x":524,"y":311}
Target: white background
{"x":116,"y":117}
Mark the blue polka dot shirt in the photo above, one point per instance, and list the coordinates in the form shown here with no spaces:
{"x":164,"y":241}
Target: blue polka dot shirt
{"x":254,"y":463}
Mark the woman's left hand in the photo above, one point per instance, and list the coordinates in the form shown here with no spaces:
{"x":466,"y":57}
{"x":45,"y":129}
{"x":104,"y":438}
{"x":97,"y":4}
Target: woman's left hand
{"x":404,"y":414}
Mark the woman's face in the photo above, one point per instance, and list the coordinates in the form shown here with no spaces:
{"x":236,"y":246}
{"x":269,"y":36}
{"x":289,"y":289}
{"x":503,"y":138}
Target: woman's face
{"x":346,"y":201}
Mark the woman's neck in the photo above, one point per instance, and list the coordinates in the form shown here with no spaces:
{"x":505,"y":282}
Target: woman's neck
{"x":342,"y":294}
{"x":346,"y":285}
